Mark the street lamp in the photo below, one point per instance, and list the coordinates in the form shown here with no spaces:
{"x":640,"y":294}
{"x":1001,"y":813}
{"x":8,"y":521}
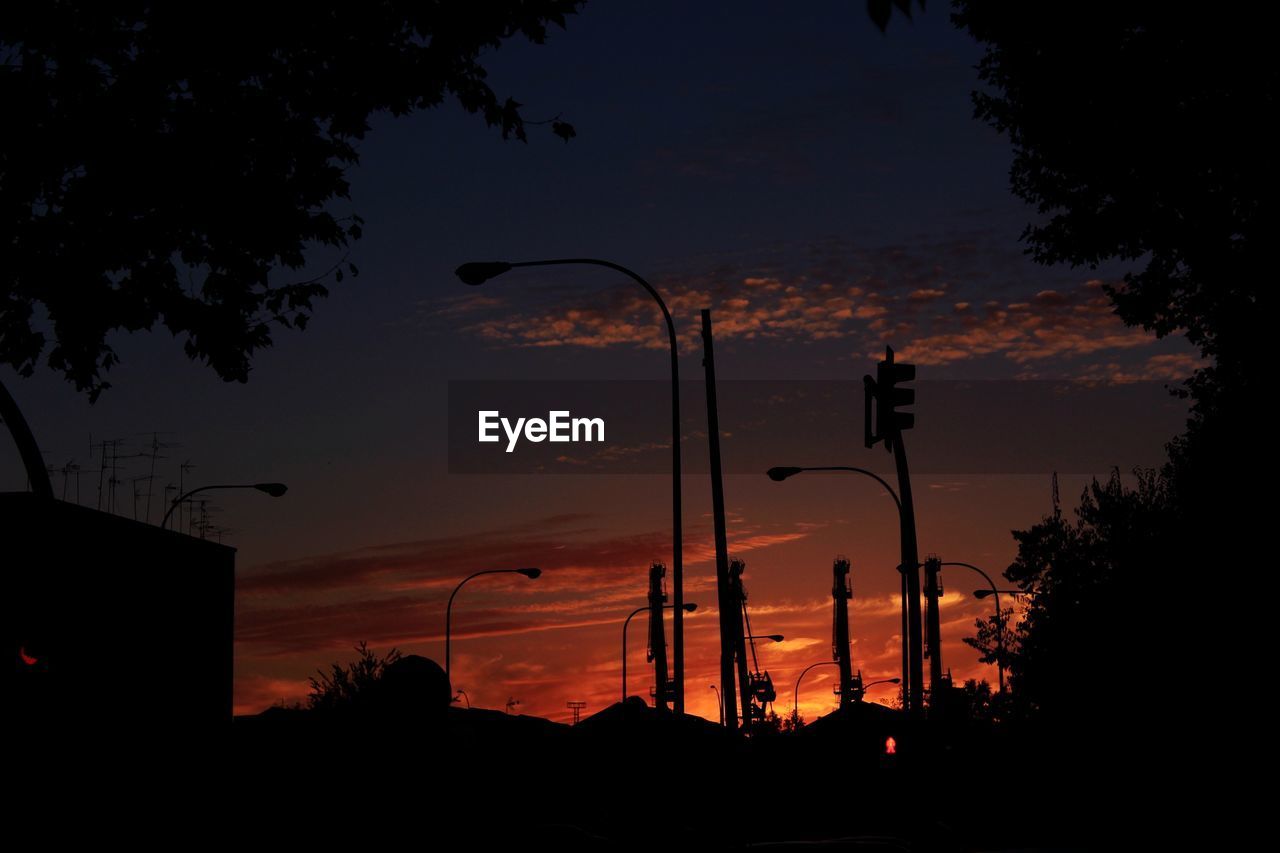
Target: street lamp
{"x":983,"y":593}
{"x":882,"y":681}
{"x":906,"y":530}
{"x":275,"y":490}
{"x":719,"y":703}
{"x":689,"y":607}
{"x":795,"y":699}
{"x":448,"y":611}
{"x":479,"y":273}
{"x":777,"y":638}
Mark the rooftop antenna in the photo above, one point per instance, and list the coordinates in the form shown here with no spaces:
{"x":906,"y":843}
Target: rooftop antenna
{"x":512,"y":703}
{"x":577,"y":710}
{"x":182,"y":489}
{"x":67,"y":470}
{"x":156,"y":446}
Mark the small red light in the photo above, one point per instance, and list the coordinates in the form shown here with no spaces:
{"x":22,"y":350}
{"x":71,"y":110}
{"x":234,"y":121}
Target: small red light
{"x":890,"y":746}
{"x":26,"y":658}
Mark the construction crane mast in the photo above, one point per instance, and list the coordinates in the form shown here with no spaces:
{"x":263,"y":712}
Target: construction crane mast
{"x":756,"y":686}
{"x":841,"y":591}
{"x":662,"y":687}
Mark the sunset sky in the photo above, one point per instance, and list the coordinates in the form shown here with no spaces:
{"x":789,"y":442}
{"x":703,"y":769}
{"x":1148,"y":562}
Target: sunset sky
{"x":821,"y":187}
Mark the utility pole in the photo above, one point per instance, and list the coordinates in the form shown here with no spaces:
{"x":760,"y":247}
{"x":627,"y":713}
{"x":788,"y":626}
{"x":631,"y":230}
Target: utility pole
{"x":730,"y":610}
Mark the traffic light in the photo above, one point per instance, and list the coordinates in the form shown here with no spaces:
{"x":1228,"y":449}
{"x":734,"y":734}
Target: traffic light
{"x":888,"y":397}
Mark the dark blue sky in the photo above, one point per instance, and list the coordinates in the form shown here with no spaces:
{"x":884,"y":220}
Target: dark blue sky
{"x":823,"y":187}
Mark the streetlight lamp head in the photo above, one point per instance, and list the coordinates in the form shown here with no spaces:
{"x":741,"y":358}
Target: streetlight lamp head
{"x":780,"y":474}
{"x":777,"y":638}
{"x":481,"y":271}
{"x":894,"y":680}
{"x":981,"y":593}
{"x":530,"y":573}
{"x":273,"y":489}
{"x":690,"y":607}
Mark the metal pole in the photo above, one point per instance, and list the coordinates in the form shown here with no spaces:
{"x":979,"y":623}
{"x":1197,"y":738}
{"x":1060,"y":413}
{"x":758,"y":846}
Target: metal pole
{"x":625,"y":624}
{"x":677,"y":563}
{"x":730,"y":610}
{"x":448,"y":610}
{"x":995,"y":591}
{"x":910,"y":569}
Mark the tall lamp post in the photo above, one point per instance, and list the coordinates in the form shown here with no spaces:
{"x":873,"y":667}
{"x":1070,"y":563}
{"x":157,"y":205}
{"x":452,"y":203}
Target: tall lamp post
{"x":983,"y":593}
{"x":275,"y":490}
{"x":480,"y":272}
{"x":626,"y":623}
{"x":719,"y":703}
{"x":448,"y":611}
{"x":783,"y":472}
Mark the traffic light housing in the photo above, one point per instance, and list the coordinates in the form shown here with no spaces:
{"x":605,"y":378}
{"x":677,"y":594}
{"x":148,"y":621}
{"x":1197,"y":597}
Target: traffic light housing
{"x":888,"y":397}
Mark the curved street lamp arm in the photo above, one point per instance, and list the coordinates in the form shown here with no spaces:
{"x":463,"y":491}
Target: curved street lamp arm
{"x":893,"y":494}
{"x":795,"y":700}
{"x":448,"y":613}
{"x":626,"y":623}
{"x":634,"y":276}
{"x":990,"y":582}
{"x":995,"y":591}
{"x":178,"y":500}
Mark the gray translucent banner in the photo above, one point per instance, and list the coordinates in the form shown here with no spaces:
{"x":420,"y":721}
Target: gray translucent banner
{"x":962,"y":427}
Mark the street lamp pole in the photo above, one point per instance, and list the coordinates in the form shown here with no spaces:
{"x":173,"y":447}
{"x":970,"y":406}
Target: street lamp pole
{"x":448,"y":611}
{"x":795,"y":699}
{"x":478,"y":273}
{"x":999,"y":616}
{"x":626,"y":623}
{"x":907,"y":545}
{"x":719,"y":703}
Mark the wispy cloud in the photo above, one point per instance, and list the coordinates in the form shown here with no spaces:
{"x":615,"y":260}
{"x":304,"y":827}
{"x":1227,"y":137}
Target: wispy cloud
{"x":939,"y":304}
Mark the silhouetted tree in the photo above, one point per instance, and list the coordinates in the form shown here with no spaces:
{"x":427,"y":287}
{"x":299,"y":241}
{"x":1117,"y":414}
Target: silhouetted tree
{"x":770,"y":724}
{"x":1141,"y":132}
{"x":343,"y":686}
{"x":1085,"y":582}
{"x":793,"y":722}
{"x":174,"y":164}
{"x":988,"y":639}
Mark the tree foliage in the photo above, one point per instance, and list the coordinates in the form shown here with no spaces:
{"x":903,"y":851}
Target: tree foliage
{"x":177,"y":164}
{"x":1084,"y":582}
{"x":1142,"y":132}
{"x":341,"y":687}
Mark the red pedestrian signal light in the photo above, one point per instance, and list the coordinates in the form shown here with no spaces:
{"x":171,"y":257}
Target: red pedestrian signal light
{"x":890,"y":746}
